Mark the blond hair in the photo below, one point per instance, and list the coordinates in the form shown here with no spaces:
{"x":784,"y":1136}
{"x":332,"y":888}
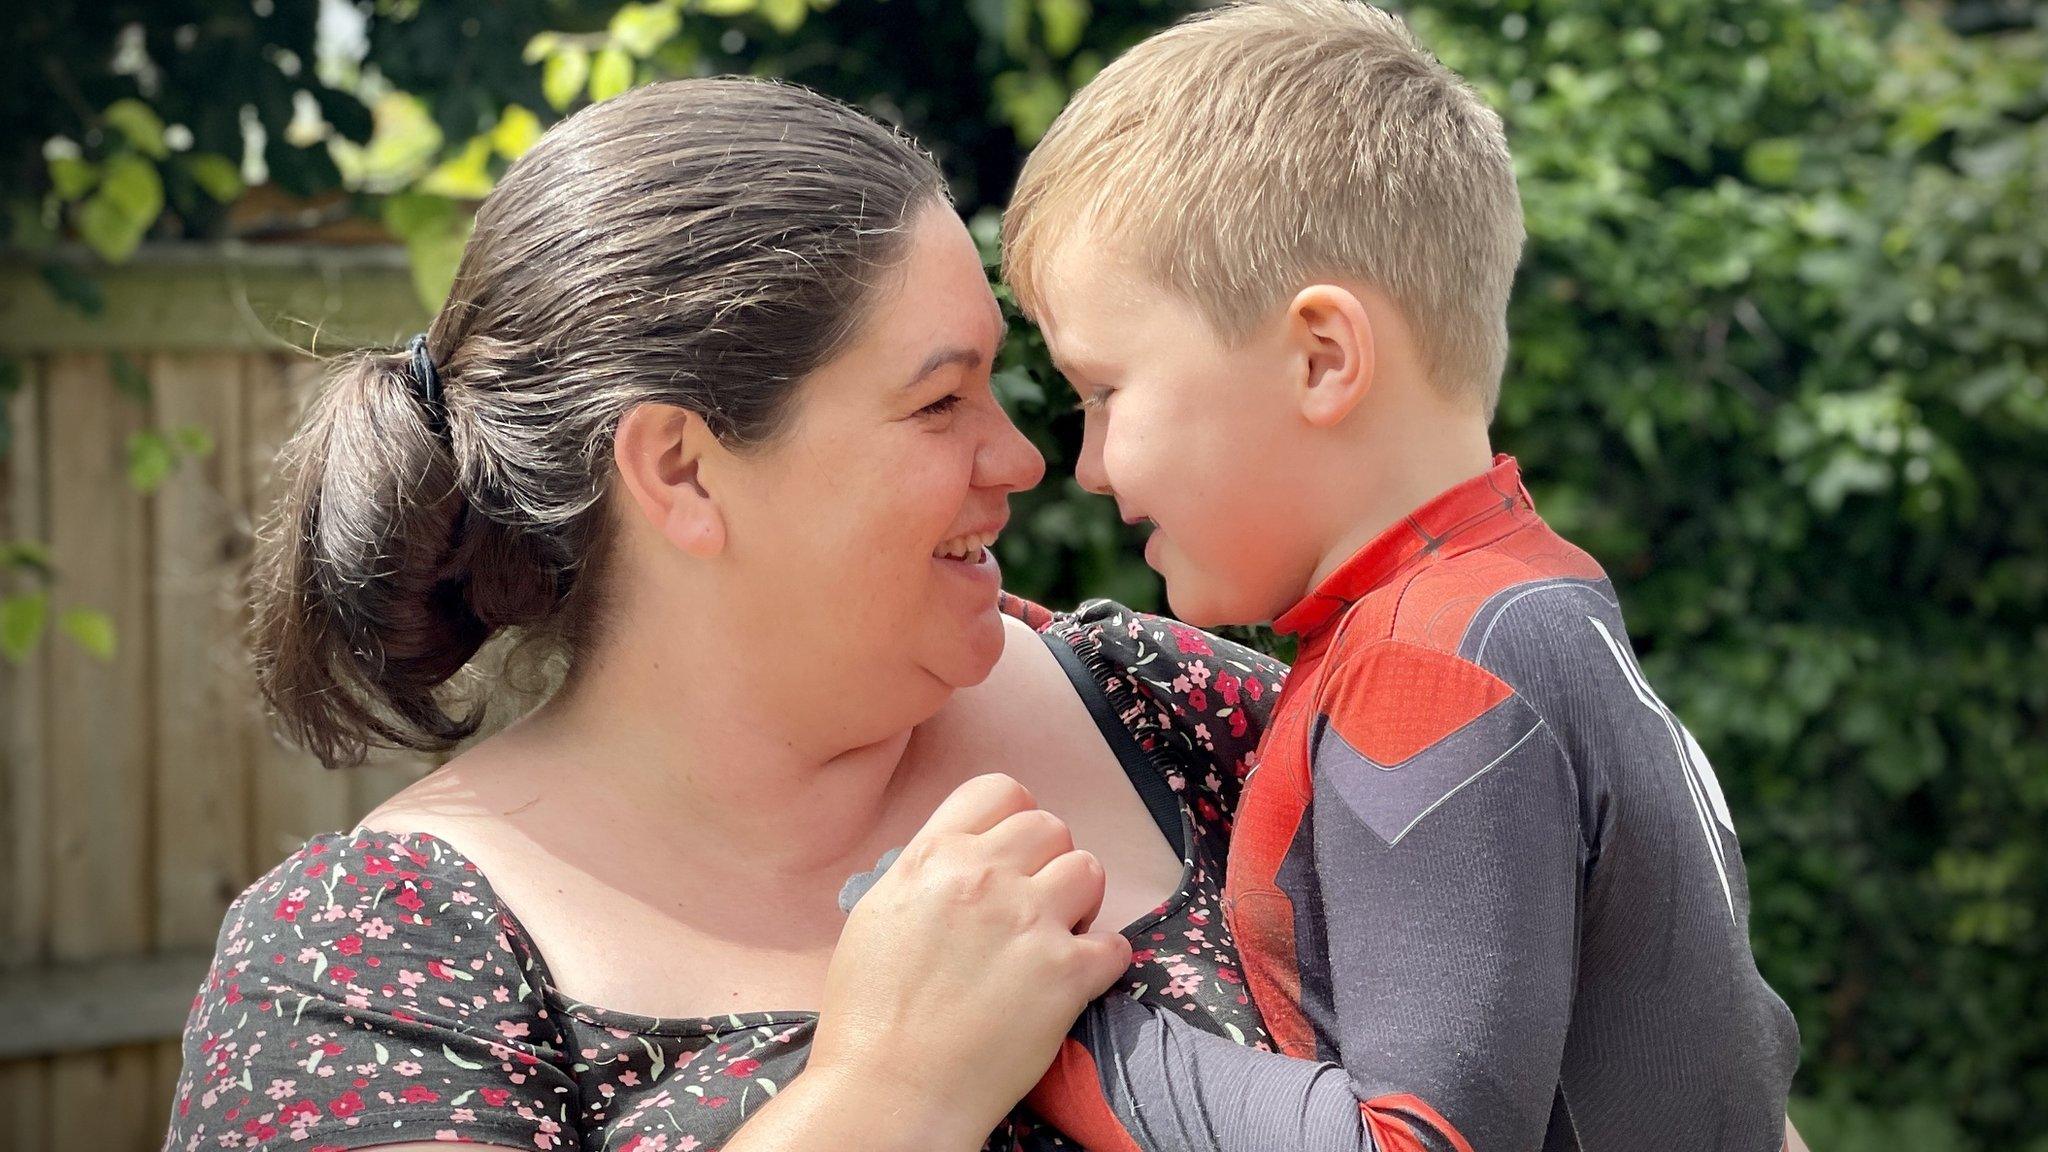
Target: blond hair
{"x":1247,"y":152}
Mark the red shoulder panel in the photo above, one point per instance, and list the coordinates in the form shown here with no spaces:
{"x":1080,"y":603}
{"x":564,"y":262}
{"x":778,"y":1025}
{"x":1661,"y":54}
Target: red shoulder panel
{"x":1393,"y":699}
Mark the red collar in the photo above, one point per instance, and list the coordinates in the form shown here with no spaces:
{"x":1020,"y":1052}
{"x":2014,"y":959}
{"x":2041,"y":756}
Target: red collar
{"x":1470,"y":514}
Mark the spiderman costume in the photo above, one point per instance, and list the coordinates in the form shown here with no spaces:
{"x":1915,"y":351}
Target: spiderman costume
{"x":1485,"y":886}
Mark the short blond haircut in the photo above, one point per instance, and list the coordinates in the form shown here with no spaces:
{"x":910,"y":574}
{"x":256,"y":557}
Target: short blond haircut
{"x":1248,"y":152}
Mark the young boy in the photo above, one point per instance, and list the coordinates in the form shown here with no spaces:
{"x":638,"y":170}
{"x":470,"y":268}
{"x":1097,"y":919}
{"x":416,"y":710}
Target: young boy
{"x":1484,"y":884}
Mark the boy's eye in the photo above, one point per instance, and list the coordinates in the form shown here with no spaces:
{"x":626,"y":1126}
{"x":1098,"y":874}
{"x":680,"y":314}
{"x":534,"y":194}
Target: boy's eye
{"x":941,"y":406}
{"x":1093,"y":400}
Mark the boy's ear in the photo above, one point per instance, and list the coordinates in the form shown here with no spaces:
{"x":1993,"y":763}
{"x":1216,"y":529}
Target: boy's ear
{"x":660,"y":450}
{"x":1333,"y":332}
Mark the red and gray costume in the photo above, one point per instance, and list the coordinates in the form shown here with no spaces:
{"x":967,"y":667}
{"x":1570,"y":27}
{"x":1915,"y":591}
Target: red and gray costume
{"x":1486,"y":891}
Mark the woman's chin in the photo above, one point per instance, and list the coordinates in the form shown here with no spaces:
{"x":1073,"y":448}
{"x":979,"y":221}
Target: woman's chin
{"x":972,"y":652}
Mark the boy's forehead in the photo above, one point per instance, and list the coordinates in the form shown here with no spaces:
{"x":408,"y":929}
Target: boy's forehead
{"x":1083,"y":289}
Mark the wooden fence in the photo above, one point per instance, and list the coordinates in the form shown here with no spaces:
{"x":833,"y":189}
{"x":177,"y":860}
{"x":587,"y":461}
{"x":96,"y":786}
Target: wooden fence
{"x":138,"y":795}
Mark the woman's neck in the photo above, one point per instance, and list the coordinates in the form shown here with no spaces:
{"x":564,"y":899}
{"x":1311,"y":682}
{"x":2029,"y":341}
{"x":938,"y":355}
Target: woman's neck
{"x":723,"y":753}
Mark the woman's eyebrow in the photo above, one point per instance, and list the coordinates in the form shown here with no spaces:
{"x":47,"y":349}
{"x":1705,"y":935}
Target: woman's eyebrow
{"x":945,"y":358}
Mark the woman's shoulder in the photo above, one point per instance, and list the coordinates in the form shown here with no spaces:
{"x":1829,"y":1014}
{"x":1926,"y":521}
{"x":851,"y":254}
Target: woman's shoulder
{"x":351,"y":903}
{"x":385,"y":956}
{"x":1186,"y":692}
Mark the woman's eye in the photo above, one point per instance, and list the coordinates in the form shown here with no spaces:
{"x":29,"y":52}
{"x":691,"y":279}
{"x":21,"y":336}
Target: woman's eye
{"x":941,"y":406}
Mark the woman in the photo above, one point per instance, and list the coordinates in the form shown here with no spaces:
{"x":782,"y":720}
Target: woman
{"x":709,"y":407}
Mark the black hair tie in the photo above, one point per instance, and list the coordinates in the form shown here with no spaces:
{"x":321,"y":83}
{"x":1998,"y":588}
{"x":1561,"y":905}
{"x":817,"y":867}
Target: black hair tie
{"x":426,"y":381}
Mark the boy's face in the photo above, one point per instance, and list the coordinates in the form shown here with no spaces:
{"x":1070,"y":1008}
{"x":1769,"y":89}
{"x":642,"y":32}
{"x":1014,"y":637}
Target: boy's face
{"x":1186,"y":432}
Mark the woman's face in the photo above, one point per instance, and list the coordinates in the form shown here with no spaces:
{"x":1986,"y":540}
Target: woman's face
{"x":860,"y":533}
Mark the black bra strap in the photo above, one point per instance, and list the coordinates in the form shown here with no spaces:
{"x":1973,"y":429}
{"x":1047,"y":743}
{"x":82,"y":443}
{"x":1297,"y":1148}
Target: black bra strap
{"x":1159,"y":797}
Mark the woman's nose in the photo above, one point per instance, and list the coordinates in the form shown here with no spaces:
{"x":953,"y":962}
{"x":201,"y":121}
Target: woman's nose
{"x":1008,"y":459}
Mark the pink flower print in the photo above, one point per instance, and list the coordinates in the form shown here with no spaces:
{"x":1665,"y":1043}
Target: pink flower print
{"x":377,"y":929}
{"x":288,"y":909}
{"x":1239,"y":725}
{"x":279,"y":1089}
{"x":629,"y":1078}
{"x":716,"y":1102}
{"x":1198,"y":700}
{"x":410,"y":978}
{"x":349,"y":945}
{"x":378,"y":866}
{"x":409,"y":900}
{"x":345,"y":1105}
{"x":299,"y":1113}
{"x":512,"y":1030}
{"x":744,"y":1067}
{"x":1192,"y":642}
{"x":419,"y":1094}
{"x":495,"y":1097}
{"x":1227,"y":685}
{"x":407,"y":1068}
{"x":1199,"y":673}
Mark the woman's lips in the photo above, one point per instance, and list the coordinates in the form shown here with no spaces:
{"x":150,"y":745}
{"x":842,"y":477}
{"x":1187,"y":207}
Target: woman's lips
{"x":981,"y":568}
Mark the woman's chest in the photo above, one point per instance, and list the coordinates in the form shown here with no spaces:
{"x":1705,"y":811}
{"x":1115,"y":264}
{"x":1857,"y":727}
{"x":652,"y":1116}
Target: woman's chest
{"x":653,"y":1085}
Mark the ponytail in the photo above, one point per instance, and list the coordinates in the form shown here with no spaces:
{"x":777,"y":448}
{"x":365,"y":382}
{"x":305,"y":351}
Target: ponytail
{"x":363,"y":600}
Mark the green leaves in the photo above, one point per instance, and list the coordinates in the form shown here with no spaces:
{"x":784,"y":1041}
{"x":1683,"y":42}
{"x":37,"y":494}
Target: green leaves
{"x":610,"y":74}
{"x":22,"y":619}
{"x":139,"y":123}
{"x":434,"y":231}
{"x":215,"y":174}
{"x":117,"y":216}
{"x":92,"y":630}
{"x":563,"y":75}
{"x":640,"y":29}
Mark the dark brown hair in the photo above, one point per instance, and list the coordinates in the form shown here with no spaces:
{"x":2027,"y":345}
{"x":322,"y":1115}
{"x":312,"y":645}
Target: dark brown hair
{"x":702,"y":243}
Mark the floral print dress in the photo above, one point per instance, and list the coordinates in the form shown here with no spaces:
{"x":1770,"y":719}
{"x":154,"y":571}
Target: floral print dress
{"x":372,"y":989}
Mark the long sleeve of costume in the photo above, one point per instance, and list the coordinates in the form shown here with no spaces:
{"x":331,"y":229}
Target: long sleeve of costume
{"x":1443,"y":827}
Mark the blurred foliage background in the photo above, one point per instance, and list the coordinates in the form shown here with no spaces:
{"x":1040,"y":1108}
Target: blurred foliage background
{"x":1781,"y":364}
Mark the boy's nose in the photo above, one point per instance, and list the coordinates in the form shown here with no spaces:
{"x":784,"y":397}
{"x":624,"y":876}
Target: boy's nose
{"x":1088,"y":470}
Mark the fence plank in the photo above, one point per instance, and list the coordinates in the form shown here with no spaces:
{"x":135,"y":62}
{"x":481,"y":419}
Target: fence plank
{"x":98,"y":737}
{"x":295,"y":798}
{"x":24,"y":934}
{"x":212,"y":298}
{"x":91,"y":1005}
{"x":203,"y":693}
{"x":202,"y":688}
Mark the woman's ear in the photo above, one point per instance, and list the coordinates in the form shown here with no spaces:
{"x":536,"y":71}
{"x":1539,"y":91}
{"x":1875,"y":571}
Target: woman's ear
{"x":659,"y":451}
{"x":1334,"y":336}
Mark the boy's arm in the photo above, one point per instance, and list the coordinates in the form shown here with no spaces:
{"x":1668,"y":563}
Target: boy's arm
{"x":1445,"y":832}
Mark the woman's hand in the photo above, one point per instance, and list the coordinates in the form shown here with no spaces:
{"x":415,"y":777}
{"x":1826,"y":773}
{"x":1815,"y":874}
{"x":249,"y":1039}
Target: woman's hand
{"x":960,"y":971}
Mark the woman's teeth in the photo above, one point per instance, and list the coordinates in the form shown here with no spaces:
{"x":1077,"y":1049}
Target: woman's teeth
{"x":967,"y":548}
